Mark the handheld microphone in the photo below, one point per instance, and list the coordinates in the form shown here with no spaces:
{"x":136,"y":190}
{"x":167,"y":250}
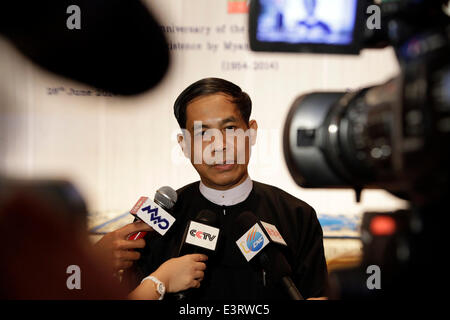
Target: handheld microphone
{"x":253,"y":240}
{"x":154,"y":213}
{"x":200,"y":236}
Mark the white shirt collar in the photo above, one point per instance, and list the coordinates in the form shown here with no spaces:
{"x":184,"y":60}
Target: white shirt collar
{"x":228,"y":197}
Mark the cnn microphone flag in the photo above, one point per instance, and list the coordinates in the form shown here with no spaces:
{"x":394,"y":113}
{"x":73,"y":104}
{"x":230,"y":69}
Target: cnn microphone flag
{"x":153,"y":215}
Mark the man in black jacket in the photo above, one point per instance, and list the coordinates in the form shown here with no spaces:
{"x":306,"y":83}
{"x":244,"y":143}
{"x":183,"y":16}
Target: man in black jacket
{"x":214,"y":115}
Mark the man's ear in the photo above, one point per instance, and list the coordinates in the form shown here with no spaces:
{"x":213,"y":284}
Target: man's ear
{"x":253,"y":125}
{"x":182,"y":143}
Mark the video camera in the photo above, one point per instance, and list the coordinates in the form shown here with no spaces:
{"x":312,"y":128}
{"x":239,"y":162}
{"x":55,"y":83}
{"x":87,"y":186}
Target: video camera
{"x":394,"y":136}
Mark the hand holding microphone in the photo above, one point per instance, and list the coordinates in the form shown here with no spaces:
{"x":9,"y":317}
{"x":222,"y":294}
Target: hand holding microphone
{"x":155,"y":213}
{"x":183,"y":272}
{"x":118,"y":247}
{"x":117,"y":250}
{"x":200,"y":237}
{"x":174,"y":275}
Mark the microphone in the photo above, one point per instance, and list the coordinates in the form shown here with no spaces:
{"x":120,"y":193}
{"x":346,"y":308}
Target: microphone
{"x":200,"y":236}
{"x":253,"y":240}
{"x":155,"y":213}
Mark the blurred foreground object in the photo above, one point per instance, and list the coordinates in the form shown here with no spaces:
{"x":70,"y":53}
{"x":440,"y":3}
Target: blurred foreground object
{"x":42,"y":229}
{"x":393,"y":136}
{"x":118,"y":48}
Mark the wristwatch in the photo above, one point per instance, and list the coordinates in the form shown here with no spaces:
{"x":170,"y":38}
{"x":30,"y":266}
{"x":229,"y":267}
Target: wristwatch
{"x":159,"y":286}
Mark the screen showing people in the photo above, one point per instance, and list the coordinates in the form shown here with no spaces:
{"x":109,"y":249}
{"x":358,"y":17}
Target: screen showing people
{"x":307,"y":21}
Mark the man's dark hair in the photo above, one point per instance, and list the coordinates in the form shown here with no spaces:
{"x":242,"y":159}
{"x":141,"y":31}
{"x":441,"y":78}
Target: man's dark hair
{"x":207,"y":87}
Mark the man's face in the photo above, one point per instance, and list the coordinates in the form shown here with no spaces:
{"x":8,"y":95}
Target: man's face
{"x":218,"y":149}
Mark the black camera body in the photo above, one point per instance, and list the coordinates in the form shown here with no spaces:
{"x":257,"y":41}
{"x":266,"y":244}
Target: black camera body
{"x":393,"y":136}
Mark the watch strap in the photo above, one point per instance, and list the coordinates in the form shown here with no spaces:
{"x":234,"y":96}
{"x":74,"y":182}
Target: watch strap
{"x":159,"y":286}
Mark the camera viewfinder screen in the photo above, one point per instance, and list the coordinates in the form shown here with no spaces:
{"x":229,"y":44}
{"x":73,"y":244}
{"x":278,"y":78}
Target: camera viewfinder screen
{"x":307,"y":21}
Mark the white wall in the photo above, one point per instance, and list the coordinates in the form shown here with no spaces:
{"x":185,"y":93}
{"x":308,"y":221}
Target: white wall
{"x":116,"y":149}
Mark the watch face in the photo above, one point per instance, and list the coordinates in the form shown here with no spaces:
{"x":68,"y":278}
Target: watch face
{"x":160,"y":288}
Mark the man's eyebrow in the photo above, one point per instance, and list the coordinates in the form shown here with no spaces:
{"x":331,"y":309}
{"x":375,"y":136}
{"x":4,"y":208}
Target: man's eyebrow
{"x":229,"y":119}
{"x":222,"y":122}
{"x":196,"y":126}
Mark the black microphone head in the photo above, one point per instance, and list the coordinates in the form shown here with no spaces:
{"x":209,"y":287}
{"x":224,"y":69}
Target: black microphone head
{"x":207,"y":217}
{"x":166,"y":197}
{"x":243,"y":223}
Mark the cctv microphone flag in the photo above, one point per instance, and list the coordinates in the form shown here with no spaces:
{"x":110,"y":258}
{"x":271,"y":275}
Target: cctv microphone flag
{"x":153,"y":215}
{"x":201,"y":232}
{"x":202,"y":235}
